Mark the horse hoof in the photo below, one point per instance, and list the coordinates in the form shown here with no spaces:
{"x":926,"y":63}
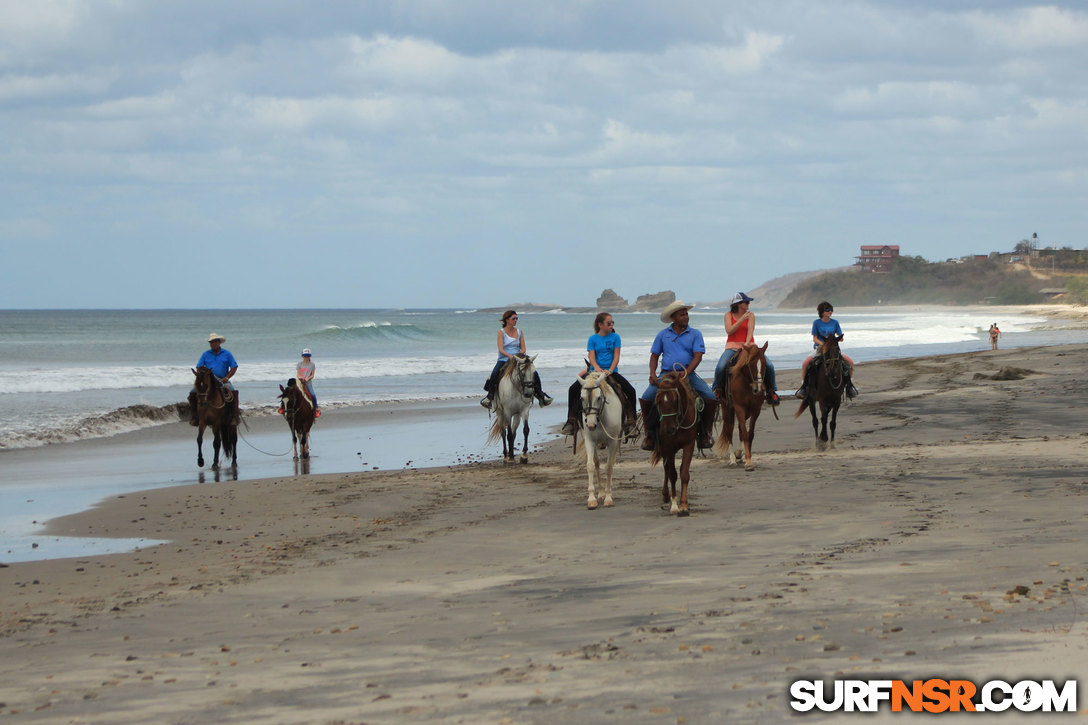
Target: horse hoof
{"x":295,"y":458}
{"x":523,"y":459}
{"x":683,"y":513}
{"x":749,"y":467}
{"x":608,"y":502}
{"x":591,"y":504}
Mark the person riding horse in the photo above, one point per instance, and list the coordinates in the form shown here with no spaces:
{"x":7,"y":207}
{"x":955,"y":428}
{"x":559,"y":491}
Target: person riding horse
{"x":740,"y":328}
{"x":822,"y":328}
{"x":678,"y":347}
{"x":223,"y":365}
{"x":603,"y":355}
{"x":510,"y":341}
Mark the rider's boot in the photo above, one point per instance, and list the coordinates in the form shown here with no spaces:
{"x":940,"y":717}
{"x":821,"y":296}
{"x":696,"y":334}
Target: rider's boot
{"x":570,"y":427}
{"x":192,"y":410}
{"x":772,"y":396}
{"x":630,"y":425}
{"x":538,"y":391}
{"x":649,"y":441}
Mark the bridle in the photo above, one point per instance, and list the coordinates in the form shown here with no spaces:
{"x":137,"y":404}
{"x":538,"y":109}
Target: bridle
{"x":204,"y":389}
{"x":752,"y":373}
{"x":524,"y":378}
{"x":680,"y":411}
{"x":832,"y":356}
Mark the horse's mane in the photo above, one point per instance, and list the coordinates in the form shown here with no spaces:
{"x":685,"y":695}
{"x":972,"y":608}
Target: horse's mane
{"x":512,"y":362}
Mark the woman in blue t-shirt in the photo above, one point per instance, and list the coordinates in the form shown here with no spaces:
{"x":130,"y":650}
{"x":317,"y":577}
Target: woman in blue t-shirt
{"x":603,"y":352}
{"x":822,"y":328}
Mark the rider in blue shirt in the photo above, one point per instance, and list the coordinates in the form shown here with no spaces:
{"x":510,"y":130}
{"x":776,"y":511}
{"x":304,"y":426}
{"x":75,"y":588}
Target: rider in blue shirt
{"x":678,"y":347}
{"x":223,"y":366}
{"x":823,"y":327}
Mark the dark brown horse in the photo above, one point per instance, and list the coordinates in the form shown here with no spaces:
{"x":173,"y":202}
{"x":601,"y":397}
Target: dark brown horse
{"x":676,"y":431}
{"x":829,"y":382}
{"x":214,"y":411}
{"x":742,"y":402}
{"x":298,"y":411}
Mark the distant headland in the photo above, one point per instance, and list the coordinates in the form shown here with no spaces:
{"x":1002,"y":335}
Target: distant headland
{"x":608,"y":300}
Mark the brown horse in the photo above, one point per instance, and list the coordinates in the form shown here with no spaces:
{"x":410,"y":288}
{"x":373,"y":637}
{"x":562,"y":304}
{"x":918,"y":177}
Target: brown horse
{"x":676,"y":431}
{"x":742,"y":403}
{"x":298,"y":411}
{"x":214,"y":411}
{"x":827,"y":388}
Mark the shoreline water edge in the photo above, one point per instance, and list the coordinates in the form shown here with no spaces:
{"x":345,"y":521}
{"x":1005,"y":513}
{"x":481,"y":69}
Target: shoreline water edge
{"x":940,"y":538}
{"x":399,"y":427}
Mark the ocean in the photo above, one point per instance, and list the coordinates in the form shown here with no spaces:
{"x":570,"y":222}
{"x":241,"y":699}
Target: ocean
{"x":88,"y":397}
{"x":72,"y":375}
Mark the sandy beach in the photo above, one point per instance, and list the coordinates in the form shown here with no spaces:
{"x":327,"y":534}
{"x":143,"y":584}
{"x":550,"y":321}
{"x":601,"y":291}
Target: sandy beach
{"x":943,"y":537}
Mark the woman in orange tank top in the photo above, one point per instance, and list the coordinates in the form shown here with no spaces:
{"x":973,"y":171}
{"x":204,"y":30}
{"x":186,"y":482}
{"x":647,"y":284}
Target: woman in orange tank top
{"x":740,"y":328}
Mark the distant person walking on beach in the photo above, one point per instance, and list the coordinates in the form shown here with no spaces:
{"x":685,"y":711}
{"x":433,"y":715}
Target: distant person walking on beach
{"x":740,"y":328}
{"x":305,"y":372}
{"x":603,"y":351}
{"x":678,"y":347}
{"x":995,"y":332}
{"x":223,"y":365}
{"x":510,"y":342}
{"x":822,"y":327}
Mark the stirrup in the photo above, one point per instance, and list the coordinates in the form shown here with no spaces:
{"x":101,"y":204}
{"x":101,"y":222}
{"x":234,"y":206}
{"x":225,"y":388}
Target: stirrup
{"x":486,"y":402}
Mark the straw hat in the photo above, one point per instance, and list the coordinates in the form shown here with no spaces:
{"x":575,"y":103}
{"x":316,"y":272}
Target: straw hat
{"x":216,"y":336}
{"x":668,"y":312}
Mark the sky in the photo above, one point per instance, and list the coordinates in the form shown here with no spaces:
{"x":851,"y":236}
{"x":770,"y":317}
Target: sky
{"x":462,"y":153}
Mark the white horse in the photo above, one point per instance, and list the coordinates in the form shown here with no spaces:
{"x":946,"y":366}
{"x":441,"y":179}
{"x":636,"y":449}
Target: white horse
{"x":513,"y":398}
{"x":602,"y":429}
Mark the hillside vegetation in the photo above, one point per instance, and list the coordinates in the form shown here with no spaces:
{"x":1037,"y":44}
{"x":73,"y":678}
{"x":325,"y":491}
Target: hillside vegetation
{"x":913,"y":280}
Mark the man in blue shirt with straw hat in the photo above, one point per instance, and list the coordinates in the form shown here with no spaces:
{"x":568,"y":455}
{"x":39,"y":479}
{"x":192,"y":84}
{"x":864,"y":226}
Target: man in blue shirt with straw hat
{"x":223,"y":366}
{"x":678,"y":347}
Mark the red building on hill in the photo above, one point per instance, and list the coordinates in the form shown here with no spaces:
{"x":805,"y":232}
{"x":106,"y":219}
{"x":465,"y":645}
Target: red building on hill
{"x":877,"y":257}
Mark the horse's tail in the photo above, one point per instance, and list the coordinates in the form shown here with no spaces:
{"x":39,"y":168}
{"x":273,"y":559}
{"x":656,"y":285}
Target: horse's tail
{"x":804,"y":405}
{"x":497,"y":431}
{"x":655,"y":457}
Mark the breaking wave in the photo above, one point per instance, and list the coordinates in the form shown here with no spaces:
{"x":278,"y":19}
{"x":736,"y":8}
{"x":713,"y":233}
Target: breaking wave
{"x":121,"y":420}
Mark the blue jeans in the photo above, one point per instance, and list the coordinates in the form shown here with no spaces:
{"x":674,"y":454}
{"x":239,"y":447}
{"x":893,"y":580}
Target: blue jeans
{"x":723,"y":362}
{"x":310,"y":389}
{"x":698,"y":386}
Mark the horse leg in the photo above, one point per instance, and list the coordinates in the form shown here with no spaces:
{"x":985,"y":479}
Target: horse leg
{"x":294,"y":443}
{"x":508,"y":443}
{"x":726,"y":440}
{"x":199,"y":445}
{"x":824,"y":411}
{"x":613,"y":449}
{"x":593,"y":473}
{"x":232,"y":440}
{"x":685,"y":476}
{"x":834,"y":418}
{"x":815,"y":423}
{"x":217,"y":441}
{"x":748,"y":465}
{"x":525,"y":440}
{"x":670,"y":478}
{"x":305,"y":443}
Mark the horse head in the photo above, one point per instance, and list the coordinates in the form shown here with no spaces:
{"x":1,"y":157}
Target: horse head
{"x":205,"y":383}
{"x":593,"y":398}
{"x":673,"y":401}
{"x":523,"y":371}
{"x":752,"y":364}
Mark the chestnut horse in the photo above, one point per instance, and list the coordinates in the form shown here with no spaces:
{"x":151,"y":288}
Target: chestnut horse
{"x":829,"y":382}
{"x":298,"y":411}
{"x":742,"y":402}
{"x":676,"y":431}
{"x":513,"y":398}
{"x":214,"y":411}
